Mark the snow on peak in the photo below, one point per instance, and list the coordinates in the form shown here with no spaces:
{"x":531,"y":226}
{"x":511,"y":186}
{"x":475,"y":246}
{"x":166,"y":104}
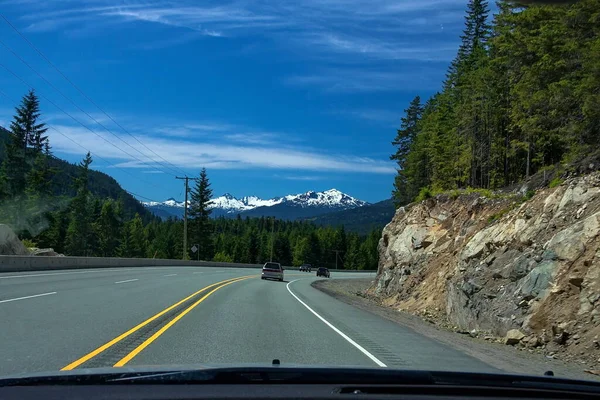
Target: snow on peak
{"x":331,"y":198}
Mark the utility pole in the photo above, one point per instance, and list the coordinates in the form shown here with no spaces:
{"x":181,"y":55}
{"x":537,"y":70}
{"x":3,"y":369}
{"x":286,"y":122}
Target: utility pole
{"x":185,"y":212}
{"x":272,"y":236}
{"x":336,"y":257}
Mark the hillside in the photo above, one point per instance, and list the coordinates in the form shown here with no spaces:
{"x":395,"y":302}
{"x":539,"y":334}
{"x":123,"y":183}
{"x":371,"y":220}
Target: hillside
{"x":360,"y":220}
{"x":100,"y":184}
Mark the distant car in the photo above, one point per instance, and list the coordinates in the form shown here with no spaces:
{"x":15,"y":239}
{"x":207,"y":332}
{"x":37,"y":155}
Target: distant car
{"x":272,"y":270}
{"x":322,"y":271}
{"x":305,"y":267}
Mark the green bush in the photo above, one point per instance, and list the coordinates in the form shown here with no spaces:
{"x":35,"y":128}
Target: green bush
{"x":482,"y":192}
{"x":454,"y":194}
{"x":424,"y":193}
{"x":223,"y":257}
{"x":28,"y":243}
{"x":529,"y":194}
{"x":555,"y":182}
{"x":498,"y":215}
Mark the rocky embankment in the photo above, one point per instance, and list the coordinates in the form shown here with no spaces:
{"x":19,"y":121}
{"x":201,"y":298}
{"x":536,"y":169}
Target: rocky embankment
{"x":10,"y":245}
{"x":502,"y":266}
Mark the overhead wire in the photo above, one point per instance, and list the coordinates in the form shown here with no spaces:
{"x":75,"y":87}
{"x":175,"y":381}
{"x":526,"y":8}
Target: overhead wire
{"x":83,"y":111}
{"x":39,"y":52}
{"x":87,"y":150}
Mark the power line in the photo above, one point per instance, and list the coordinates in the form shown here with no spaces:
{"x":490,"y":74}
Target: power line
{"x":66,"y":113}
{"x":82,"y":93}
{"x":142,"y":197}
{"x":79,"y":108}
{"x":95,"y":155}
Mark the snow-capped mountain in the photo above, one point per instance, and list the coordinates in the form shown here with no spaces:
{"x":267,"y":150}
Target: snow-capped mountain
{"x":303,"y":205}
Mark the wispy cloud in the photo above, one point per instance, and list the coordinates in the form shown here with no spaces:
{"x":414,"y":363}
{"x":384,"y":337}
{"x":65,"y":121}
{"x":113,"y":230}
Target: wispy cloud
{"x":226,"y":154}
{"x":382,"y":49}
{"x":366,"y":28}
{"x":384,"y":117}
{"x":252,"y":138}
{"x":307,"y":178}
{"x":153,"y":172}
{"x":183,"y":130}
{"x":368,"y":80}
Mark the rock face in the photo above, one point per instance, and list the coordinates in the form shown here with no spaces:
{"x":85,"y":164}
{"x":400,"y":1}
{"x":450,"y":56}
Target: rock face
{"x":498,"y":264}
{"x":10,"y":245}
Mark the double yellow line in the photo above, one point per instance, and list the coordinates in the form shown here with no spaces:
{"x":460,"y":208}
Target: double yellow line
{"x":162,"y":330}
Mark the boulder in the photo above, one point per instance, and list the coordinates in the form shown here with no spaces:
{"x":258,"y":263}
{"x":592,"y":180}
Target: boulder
{"x":514,"y":336}
{"x":10,"y":245}
{"x":539,"y":279}
{"x":45,"y":253}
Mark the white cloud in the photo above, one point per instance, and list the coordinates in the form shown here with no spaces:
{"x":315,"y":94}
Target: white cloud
{"x":187,"y":153}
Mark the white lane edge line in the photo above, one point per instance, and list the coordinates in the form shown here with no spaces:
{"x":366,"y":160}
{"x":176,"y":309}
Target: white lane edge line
{"x":336,"y":330}
{"x":27,"y":297}
{"x":170,"y":275}
{"x":128,"y":280}
{"x":68,"y":273}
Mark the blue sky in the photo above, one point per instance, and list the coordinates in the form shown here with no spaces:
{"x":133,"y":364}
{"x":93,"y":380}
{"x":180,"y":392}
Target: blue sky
{"x":272,"y":97}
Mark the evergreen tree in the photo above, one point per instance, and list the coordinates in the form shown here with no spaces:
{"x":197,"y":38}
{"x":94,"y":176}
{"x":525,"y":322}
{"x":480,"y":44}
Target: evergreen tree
{"x":106,"y":227}
{"x":25,"y":130}
{"x":405,"y":137}
{"x":137,"y":238}
{"x":200,"y":224}
{"x":80,"y":225}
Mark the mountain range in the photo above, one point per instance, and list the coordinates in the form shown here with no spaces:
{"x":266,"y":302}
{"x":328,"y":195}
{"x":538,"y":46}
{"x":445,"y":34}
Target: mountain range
{"x":289,"y":207}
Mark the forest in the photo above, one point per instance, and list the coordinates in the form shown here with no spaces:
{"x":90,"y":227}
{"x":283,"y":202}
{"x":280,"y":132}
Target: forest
{"x":80,"y":212}
{"x":521,"y":95}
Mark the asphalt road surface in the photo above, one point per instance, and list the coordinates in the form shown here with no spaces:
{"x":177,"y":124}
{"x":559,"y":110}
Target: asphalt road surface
{"x":185,"y":315}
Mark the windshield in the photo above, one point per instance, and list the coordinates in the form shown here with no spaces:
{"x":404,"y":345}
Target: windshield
{"x":169,"y":171}
{"x":272,"y":266}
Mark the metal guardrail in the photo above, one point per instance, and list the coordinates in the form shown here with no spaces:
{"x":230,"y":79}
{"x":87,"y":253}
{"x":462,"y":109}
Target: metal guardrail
{"x":41,"y":263}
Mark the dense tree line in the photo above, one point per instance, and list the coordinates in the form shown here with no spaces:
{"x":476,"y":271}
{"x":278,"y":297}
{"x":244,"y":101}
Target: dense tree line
{"x":92,"y":224}
{"x":522,"y":93}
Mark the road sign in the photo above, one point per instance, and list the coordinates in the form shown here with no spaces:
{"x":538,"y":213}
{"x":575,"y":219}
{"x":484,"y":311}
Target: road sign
{"x":194,"y":249}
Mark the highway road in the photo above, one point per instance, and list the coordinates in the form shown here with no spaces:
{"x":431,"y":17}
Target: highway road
{"x":193,"y":315}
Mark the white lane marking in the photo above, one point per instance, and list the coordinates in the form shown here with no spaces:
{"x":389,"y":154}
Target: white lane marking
{"x":27,"y":297}
{"x":67,"y":273}
{"x":128,"y":280}
{"x":336,"y":330}
{"x":170,"y":275}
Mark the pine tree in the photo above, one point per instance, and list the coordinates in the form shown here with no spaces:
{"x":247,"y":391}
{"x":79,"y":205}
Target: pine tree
{"x":80,"y":225}
{"x":409,"y":129}
{"x":24,"y":130}
{"x":301,"y":252}
{"x":39,"y":178}
{"x":106,"y":227}
{"x":200,"y":223}
{"x":137,"y":236}
{"x":252,"y":246}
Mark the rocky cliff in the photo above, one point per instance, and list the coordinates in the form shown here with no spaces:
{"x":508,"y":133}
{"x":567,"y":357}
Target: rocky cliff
{"x":501,"y":263}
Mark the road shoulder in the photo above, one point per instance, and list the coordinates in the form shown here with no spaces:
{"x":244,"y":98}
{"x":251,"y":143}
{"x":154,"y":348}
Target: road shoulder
{"x":506,"y":358}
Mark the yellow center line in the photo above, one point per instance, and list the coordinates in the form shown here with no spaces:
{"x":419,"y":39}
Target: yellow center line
{"x":116,"y":340}
{"x":162,"y":330}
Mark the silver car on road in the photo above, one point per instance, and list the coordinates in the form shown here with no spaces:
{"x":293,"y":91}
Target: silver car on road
{"x":272,"y":270}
